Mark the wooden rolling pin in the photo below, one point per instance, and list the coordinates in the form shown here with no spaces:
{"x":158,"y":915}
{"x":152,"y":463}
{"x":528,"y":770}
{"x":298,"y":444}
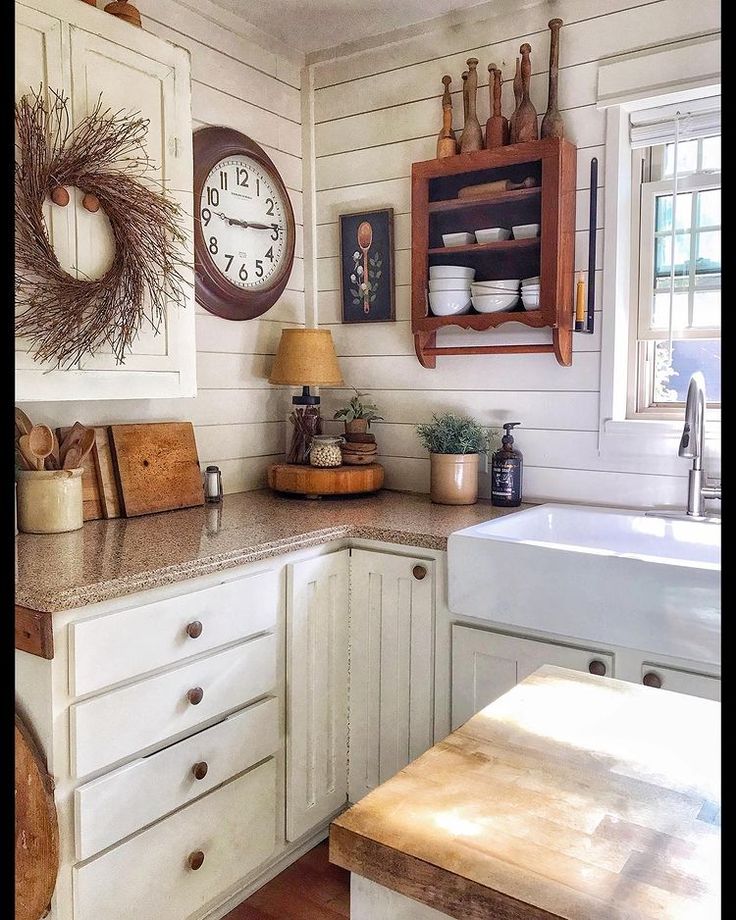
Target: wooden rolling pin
{"x":491,"y":188}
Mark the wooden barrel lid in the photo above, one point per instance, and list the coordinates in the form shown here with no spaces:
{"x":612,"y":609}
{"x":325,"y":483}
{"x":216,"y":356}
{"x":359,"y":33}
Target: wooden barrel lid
{"x":36,"y":829}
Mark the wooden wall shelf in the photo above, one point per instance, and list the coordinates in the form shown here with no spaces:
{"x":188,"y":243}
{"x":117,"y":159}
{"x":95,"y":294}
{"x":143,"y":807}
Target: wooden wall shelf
{"x":436,"y":210}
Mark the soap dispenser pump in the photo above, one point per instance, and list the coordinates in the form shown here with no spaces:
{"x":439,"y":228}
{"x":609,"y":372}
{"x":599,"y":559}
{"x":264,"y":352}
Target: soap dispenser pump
{"x":506,"y":469}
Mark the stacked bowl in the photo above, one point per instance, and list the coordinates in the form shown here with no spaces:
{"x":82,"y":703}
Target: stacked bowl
{"x":449,"y":289}
{"x":495,"y":296}
{"x":530,"y":293}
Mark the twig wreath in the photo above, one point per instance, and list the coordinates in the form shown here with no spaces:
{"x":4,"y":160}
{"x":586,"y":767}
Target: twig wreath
{"x":65,"y":317}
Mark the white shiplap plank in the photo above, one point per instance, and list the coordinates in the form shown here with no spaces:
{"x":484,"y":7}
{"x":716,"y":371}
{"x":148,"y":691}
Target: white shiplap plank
{"x":236,"y":442}
{"x":289,"y":309}
{"x":241,"y":475}
{"x":233,"y":371}
{"x":254,"y":337}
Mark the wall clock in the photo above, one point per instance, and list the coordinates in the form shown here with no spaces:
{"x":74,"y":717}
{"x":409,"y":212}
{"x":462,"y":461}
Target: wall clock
{"x":244,"y":230}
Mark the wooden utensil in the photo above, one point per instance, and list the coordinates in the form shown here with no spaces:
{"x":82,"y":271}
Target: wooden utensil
{"x":495,"y":188}
{"x":526,"y":116}
{"x":52,"y":461}
{"x":518,"y":96}
{"x":73,"y":458}
{"x":23,"y":424}
{"x":552,"y":124}
{"x":86,"y":443}
{"x":41,"y":443}
{"x":446,"y":143}
{"x":24,"y":449}
{"x":497,"y":127}
{"x":472,"y":136}
{"x":73,"y":437}
{"x":365,"y":238}
{"x":157,"y":467}
{"x":464,"y":78}
{"x":92,"y":506}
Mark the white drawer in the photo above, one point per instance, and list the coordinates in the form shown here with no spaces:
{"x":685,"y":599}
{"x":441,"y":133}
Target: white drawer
{"x":108,"y":649}
{"x":148,"y":877}
{"x":134,"y":796}
{"x":703,"y":685}
{"x":122,"y":722}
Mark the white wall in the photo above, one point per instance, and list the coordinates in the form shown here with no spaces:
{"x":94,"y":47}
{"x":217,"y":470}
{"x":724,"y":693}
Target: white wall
{"x":241,"y":80}
{"x":376,"y":111}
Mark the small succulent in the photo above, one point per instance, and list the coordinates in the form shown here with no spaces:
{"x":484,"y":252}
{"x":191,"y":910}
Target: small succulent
{"x":357,"y":409}
{"x":453,"y":434}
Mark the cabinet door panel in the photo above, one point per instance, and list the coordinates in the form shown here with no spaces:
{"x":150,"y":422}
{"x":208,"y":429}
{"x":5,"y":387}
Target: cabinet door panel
{"x":486,"y":664}
{"x":391,"y":666}
{"x":684,"y":681}
{"x":317,"y":680}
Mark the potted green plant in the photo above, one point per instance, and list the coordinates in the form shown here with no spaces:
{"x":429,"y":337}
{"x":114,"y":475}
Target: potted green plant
{"x":358,"y":415}
{"x":454,"y":443}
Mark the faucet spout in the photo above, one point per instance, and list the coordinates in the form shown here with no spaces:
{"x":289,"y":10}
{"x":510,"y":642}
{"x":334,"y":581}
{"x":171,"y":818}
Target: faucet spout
{"x":692,"y":442}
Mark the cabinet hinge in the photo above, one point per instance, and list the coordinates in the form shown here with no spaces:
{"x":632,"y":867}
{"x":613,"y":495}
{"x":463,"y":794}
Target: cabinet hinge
{"x":174,"y":146}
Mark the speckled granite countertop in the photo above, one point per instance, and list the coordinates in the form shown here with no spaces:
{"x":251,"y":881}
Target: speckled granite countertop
{"x":107,"y":559}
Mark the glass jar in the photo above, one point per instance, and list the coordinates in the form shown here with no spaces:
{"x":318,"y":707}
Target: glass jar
{"x":325,"y":450}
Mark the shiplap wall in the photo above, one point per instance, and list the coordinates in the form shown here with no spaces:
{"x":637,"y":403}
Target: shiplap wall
{"x":253,"y":86}
{"x":378,"y":110}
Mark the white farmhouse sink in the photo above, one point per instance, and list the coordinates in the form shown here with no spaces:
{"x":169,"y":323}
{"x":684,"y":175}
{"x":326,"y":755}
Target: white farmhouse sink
{"x":600,"y":574}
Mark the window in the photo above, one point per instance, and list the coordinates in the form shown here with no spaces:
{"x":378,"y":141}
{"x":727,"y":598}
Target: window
{"x":676,"y":328}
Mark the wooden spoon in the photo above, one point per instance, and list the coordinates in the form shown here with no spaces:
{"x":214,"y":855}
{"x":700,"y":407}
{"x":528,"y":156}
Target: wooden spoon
{"x":73,"y":437}
{"x":86,"y":444}
{"x":25,"y":451}
{"x":52,"y":461}
{"x":365,"y":238}
{"x":41,"y":442}
{"x":23,"y":424}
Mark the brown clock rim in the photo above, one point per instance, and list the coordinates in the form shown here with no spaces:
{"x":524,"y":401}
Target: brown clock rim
{"x":212,"y":144}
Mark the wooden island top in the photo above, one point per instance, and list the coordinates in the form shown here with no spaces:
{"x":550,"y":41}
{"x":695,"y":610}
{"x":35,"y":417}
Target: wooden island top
{"x":570,"y":796}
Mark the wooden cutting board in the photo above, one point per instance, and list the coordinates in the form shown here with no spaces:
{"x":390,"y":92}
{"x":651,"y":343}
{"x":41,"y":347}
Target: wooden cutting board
{"x":36,"y":829}
{"x":99,"y":487}
{"x":157,"y":467}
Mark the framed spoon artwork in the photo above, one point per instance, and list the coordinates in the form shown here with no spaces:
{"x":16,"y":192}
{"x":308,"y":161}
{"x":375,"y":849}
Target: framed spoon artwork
{"x":367,"y":266}
{"x":244,"y":229}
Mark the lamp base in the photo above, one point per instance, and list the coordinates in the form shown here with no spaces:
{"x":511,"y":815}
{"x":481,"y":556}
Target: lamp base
{"x":306,"y":399}
{"x":307,"y":423}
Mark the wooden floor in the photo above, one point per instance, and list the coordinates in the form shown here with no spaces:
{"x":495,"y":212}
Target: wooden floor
{"x":310,"y":889}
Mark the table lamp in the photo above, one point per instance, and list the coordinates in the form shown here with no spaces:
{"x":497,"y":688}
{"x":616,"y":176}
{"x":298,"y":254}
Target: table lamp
{"x":305,"y":358}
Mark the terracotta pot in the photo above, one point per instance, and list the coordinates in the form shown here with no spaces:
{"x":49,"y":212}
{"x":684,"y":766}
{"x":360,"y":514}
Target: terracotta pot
{"x":357,"y":426}
{"x":453,"y":479}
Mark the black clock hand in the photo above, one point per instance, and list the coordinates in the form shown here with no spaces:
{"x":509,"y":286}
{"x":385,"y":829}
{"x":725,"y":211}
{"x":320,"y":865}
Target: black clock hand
{"x":247,"y":224}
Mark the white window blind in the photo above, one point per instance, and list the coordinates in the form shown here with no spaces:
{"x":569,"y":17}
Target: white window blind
{"x":657,"y":126}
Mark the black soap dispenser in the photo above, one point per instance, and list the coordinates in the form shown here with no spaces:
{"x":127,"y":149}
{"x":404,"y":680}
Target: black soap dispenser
{"x":506,"y":469}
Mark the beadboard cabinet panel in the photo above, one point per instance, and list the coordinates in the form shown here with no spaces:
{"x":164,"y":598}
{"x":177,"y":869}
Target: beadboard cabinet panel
{"x":391,"y":665}
{"x":132,"y":71}
{"x":317,"y":695}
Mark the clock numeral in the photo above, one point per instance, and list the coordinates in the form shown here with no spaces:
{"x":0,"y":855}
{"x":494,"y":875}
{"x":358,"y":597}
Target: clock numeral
{"x":259,"y":268}
{"x":229,"y":262}
{"x":243,"y":274}
{"x":269,"y":208}
{"x":213,"y":196}
{"x":258,"y":186}
{"x":213,"y":245}
{"x":242,"y":178}
{"x":269,"y":254}
{"x":275,"y":232}
{"x":223,"y":180}
{"x":206,"y":215}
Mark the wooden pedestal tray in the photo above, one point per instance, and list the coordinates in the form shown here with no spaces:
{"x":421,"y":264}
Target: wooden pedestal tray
{"x":314,"y":481}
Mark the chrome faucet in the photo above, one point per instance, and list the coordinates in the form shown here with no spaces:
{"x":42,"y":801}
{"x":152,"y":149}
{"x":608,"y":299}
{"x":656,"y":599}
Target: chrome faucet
{"x":692,"y":447}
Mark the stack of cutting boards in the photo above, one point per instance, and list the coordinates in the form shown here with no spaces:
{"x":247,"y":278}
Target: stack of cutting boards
{"x":359,"y":449}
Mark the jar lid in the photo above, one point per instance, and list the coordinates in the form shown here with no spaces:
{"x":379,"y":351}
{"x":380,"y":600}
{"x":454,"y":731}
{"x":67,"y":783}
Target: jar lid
{"x":328,"y":438}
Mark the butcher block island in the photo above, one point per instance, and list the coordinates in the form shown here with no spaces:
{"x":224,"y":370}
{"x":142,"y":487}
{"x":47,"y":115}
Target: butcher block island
{"x":571,"y":796}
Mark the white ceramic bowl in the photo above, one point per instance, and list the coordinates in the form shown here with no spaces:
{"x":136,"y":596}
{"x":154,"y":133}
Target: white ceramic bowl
{"x":505,"y":284}
{"x":478,"y":291}
{"x":530,"y":301}
{"x":494,"y":303}
{"x":531,"y":288}
{"x":450,"y":284}
{"x":535,"y":280}
{"x":458,"y":239}
{"x":492,"y":234}
{"x":449,"y":303}
{"x":525,"y":231}
{"x":451,"y":271}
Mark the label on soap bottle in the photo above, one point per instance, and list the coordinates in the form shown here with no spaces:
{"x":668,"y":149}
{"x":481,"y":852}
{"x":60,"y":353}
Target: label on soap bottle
{"x":506,"y":481}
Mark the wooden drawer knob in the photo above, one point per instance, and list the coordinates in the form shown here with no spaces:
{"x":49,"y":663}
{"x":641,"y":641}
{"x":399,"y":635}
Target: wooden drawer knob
{"x":194,"y":629}
{"x":200,"y":769}
{"x":195,"y":860}
{"x":419,"y":571}
{"x":651,"y":679}
{"x":195,"y":695}
{"x":597,"y":667}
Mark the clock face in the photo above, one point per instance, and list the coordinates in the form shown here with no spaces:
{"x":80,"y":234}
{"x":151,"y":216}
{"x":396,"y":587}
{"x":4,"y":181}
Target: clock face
{"x":244,"y":224}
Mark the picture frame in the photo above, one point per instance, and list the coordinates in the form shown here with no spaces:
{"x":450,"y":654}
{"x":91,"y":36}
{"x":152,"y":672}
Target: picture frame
{"x":367,"y":250}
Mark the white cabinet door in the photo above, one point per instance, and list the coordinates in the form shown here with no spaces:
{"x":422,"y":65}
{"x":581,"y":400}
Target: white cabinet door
{"x":136,"y":72}
{"x":486,"y":664}
{"x":391,"y":665}
{"x":681,"y":681}
{"x":317,"y":690}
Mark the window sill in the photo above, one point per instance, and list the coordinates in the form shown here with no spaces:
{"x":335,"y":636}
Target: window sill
{"x":651,"y":437}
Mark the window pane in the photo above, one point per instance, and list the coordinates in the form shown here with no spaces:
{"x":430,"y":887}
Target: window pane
{"x":712,"y":152}
{"x":662,"y":258}
{"x":671,"y":379}
{"x":681,"y":282}
{"x":707,"y":309}
{"x":687,"y":157}
{"x":661,"y":312}
{"x":664,"y":212}
{"x":709,"y":252}
{"x":709,"y":208}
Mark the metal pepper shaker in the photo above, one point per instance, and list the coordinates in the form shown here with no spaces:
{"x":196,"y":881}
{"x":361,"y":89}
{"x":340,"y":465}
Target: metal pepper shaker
{"x":213,"y":484}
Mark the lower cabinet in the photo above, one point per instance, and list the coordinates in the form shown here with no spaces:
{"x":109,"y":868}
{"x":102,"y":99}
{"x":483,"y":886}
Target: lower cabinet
{"x":391,"y":665}
{"x":703,"y":685}
{"x":486,"y":664}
